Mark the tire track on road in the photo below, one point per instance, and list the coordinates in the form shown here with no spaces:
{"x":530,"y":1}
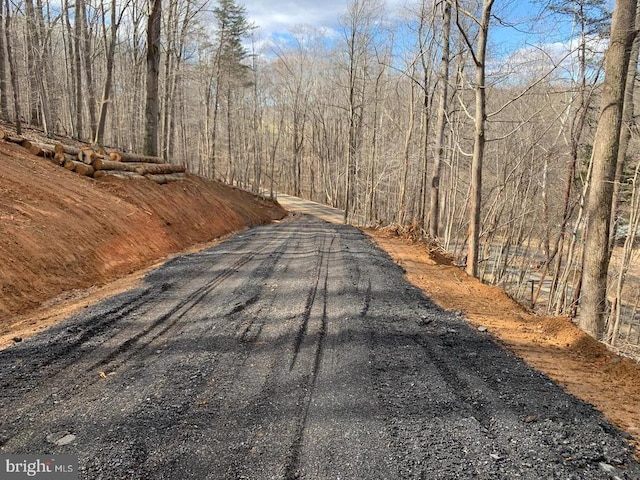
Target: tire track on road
{"x":168,"y":320}
{"x":292,"y":466}
{"x":66,"y":383}
{"x":222,"y":377}
{"x":314,"y":360}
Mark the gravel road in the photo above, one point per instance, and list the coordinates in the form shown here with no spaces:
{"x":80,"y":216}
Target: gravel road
{"x":294,"y":350}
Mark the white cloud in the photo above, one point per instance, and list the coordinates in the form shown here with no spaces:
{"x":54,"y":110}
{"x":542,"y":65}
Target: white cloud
{"x":279,"y":16}
{"x":557,"y":60}
{"x":275,"y":17}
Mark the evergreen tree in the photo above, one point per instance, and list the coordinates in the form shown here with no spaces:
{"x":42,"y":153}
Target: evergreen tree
{"x":232,"y":28}
{"x":591,"y":19}
{"x":229,"y":69}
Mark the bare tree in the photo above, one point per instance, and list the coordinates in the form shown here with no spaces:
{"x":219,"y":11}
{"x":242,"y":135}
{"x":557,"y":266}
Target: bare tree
{"x":479,"y":59}
{"x":110,"y":40}
{"x":443,"y":93}
{"x":88,"y":67}
{"x":410,"y":115}
{"x":4,"y":102}
{"x":358,"y":32}
{"x":77,"y":70}
{"x":605,"y":153}
{"x":628,"y":122}
{"x":12,"y":69}
{"x":615,"y":319}
{"x":228,"y":67}
{"x":152,"y":105}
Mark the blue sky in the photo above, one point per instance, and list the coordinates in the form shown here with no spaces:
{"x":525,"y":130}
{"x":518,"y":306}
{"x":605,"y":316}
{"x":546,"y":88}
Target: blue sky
{"x":277,"y":17}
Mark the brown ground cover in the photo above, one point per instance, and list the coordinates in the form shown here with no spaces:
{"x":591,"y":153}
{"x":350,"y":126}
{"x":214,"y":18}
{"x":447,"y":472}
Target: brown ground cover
{"x":62,"y":235}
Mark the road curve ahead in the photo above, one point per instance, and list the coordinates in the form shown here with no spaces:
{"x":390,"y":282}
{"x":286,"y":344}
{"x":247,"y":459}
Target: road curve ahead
{"x":294,"y":350}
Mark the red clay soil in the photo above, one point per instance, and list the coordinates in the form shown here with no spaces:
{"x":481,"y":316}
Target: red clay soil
{"x":554,"y":346}
{"x":60,"y":232}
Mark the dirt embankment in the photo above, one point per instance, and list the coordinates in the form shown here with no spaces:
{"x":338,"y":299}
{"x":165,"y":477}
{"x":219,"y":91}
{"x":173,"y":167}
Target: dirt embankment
{"x":60,"y":232}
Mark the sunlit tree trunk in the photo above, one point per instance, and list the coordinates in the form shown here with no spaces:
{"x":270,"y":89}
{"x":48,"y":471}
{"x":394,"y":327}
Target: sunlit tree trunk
{"x":475,"y":203}
{"x":628,"y":121}
{"x":605,"y":154}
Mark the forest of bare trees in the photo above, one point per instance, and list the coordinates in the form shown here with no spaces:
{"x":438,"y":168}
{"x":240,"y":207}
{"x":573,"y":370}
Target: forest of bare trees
{"x":419,"y":121}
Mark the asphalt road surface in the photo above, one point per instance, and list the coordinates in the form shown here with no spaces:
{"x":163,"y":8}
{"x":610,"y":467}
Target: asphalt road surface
{"x":294,"y":350}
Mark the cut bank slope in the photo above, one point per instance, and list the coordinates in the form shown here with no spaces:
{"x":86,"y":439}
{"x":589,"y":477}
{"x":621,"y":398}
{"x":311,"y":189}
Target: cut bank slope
{"x":60,"y":231}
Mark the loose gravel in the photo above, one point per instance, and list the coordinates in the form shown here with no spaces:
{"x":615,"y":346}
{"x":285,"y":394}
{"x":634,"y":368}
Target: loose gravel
{"x":295,"y":350}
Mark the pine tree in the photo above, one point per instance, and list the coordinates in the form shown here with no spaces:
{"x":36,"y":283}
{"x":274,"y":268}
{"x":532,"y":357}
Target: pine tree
{"x":592,"y":20}
{"x":230,"y":71}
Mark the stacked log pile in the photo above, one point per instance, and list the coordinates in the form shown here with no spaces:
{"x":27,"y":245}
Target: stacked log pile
{"x":100,"y":162}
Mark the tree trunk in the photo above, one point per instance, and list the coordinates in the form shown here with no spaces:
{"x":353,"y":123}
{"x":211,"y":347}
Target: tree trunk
{"x":106,"y":91}
{"x":165,"y":178}
{"x":12,"y":70}
{"x":475,"y":202}
{"x":61,"y":158}
{"x":78,"y":68}
{"x":84,"y":169}
{"x":625,"y":131}
{"x":33,"y":49}
{"x":625,"y":261}
{"x":152,"y":108}
{"x":102,"y":164}
{"x":4,"y":102}
{"x":605,"y":153}
{"x":43,"y":70}
{"x":8,"y":137}
{"x":434,"y":205}
{"x":156,"y":169}
{"x":402,"y":199}
{"x":132,"y":157}
{"x":117,"y":174}
{"x":91,"y":94}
